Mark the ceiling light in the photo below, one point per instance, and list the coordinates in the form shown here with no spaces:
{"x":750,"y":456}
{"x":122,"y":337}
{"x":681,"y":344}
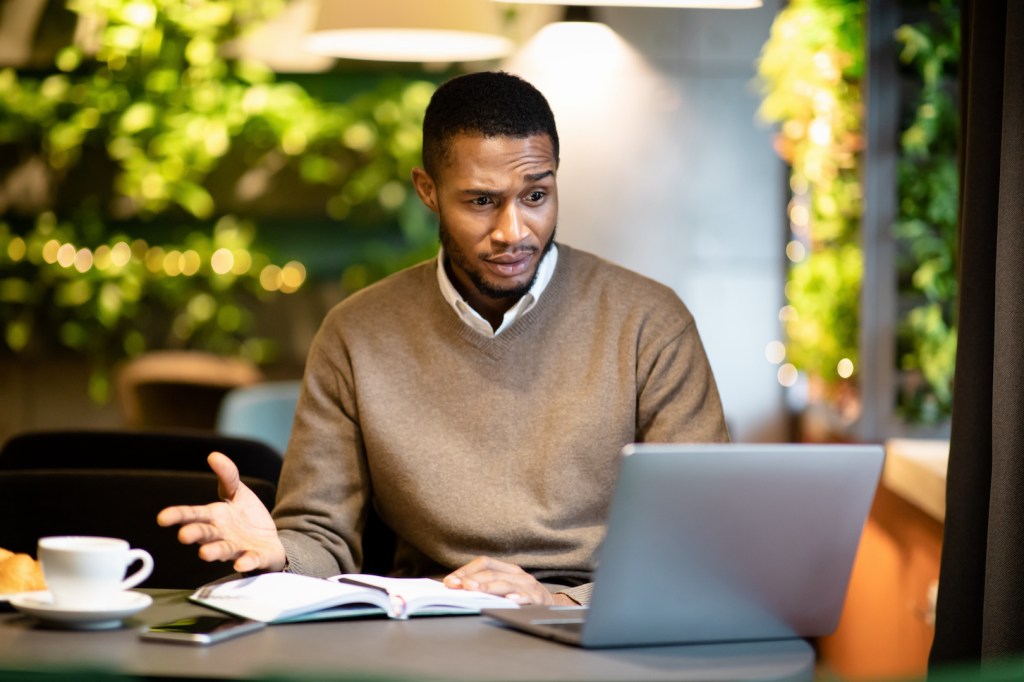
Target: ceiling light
{"x":410,"y":31}
{"x":707,"y":4}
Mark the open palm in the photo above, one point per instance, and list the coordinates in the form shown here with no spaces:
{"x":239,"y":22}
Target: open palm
{"x":239,"y":528}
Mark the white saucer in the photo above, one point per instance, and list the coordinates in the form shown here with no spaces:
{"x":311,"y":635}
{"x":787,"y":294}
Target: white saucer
{"x":121,"y":605}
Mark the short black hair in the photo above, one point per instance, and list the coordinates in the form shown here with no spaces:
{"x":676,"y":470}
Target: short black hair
{"x":488,"y":103}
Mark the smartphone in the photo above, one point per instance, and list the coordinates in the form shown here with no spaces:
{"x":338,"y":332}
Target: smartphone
{"x":201,"y":629}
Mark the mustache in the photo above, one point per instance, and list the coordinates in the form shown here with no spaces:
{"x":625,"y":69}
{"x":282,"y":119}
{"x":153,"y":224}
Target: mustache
{"x":511,"y":251}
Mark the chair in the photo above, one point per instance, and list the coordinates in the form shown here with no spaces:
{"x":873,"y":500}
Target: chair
{"x":179,"y":450}
{"x":172,"y":389}
{"x":263,"y":411}
{"x":114,"y":483}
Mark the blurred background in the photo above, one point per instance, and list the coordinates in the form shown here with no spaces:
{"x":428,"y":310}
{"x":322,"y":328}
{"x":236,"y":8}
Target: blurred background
{"x":190,"y":175}
{"x":194,"y":183}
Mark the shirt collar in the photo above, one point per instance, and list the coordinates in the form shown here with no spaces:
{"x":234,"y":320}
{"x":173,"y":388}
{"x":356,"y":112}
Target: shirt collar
{"x":545,"y":271}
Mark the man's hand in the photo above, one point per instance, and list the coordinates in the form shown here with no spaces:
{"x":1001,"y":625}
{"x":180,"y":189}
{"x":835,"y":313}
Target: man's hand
{"x":485,"y":574}
{"x":238,"y":529}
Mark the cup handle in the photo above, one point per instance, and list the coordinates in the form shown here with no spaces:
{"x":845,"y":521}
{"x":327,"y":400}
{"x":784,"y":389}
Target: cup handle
{"x":138,"y":576}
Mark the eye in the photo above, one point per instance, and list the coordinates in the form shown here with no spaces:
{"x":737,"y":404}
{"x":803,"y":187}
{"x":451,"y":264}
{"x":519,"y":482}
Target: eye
{"x":480,"y":201}
{"x":536,"y":196}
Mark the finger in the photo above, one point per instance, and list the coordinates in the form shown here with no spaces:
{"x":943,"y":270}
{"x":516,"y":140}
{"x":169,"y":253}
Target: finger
{"x":456,"y":577}
{"x":228,"y":479}
{"x":491,"y":569}
{"x":172,"y":516}
{"x":201,"y":533}
{"x":484,"y":579}
{"x":249,"y":561}
{"x":470,"y":573}
{"x":521,"y":591}
{"x":220,"y":550}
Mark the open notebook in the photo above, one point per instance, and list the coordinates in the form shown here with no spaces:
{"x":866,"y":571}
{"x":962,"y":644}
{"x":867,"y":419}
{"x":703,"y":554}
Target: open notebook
{"x":725,"y":542}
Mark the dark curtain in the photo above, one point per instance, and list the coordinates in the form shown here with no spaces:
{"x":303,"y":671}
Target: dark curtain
{"x":980,"y":614}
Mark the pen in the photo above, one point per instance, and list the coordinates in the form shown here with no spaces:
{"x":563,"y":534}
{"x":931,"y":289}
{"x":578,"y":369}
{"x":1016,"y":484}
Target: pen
{"x":358,"y":583}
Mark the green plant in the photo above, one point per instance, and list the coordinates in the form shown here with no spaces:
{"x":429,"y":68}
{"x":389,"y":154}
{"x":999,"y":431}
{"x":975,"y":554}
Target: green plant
{"x":926,"y":230}
{"x":130,"y":237}
{"x":811,"y":70}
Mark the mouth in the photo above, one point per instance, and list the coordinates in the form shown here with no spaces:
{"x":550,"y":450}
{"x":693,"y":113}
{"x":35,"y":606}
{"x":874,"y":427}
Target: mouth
{"x":510,"y":264}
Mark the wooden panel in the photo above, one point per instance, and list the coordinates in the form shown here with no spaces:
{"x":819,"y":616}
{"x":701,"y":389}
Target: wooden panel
{"x":886,"y":628}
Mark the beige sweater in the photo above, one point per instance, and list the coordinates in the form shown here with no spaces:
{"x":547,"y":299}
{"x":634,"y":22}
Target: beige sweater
{"x":472,"y":446}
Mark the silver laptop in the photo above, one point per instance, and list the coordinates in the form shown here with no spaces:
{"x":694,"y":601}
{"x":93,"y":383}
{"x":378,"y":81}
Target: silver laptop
{"x":725,"y":542}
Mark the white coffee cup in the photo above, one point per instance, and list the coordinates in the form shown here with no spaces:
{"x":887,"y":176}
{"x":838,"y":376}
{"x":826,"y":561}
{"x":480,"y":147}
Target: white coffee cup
{"x":85,"y":572}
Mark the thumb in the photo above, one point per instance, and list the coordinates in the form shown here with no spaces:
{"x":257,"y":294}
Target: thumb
{"x":228,"y":480}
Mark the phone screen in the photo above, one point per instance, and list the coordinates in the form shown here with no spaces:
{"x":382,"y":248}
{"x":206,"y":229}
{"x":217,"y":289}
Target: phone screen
{"x":201,"y":629}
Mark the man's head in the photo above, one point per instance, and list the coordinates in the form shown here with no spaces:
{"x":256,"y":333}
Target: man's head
{"x":489,"y":104}
{"x":490,"y":151}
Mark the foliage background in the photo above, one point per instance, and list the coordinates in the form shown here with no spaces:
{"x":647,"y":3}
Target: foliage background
{"x":926,"y":231}
{"x":144,"y":173}
{"x":811,"y":70}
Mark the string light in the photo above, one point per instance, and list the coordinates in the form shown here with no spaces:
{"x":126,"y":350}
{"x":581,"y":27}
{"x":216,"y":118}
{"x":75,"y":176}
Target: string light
{"x":775,"y":352}
{"x":120,"y":254}
{"x":243,"y":262}
{"x":796,"y":251}
{"x":66,"y":255}
{"x":270,"y":278}
{"x":222,"y":261}
{"x":50,"y":249}
{"x":16,"y":249}
{"x":292,"y":277}
{"x":102,"y":257}
{"x":788,"y":375}
{"x":83,"y":260}
{"x":286,"y":279}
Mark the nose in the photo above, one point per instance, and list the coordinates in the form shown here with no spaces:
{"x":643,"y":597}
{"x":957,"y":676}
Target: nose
{"x":509,"y":228}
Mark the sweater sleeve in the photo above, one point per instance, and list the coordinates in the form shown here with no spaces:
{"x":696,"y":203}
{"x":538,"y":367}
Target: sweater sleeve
{"x":579,"y":594}
{"x":324,"y":487}
{"x":677,"y":398}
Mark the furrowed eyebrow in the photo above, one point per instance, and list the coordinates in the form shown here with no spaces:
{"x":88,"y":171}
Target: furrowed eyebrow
{"x":530,"y":177}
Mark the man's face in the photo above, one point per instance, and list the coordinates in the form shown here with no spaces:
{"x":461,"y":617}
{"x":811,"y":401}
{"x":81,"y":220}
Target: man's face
{"x":497,"y":204}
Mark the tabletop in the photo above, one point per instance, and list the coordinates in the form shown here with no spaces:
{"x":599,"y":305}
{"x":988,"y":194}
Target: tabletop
{"x":450,"y":648}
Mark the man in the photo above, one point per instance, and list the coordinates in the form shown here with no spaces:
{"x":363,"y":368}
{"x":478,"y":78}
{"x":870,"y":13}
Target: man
{"x":479,"y":400}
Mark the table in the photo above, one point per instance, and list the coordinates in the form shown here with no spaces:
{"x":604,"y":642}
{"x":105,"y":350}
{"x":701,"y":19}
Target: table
{"x":449,"y":648}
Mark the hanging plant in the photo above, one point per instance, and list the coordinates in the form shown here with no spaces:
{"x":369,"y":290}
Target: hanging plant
{"x":926,"y":229}
{"x":811,"y":70}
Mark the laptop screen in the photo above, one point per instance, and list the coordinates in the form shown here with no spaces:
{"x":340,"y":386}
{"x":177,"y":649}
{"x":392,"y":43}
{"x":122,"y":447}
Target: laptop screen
{"x":730,"y":541}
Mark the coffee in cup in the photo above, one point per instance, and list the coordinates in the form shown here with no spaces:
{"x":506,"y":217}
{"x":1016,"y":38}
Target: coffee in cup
{"x":85,"y":572}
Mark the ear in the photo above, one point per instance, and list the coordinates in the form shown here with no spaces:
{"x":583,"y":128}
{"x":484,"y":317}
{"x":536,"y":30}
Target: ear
{"x":426,"y":188}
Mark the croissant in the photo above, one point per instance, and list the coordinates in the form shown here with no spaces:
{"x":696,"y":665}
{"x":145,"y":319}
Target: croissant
{"x":19,"y":573}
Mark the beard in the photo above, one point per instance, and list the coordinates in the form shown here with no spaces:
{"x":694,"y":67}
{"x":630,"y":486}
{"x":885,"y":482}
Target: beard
{"x":459,"y":258}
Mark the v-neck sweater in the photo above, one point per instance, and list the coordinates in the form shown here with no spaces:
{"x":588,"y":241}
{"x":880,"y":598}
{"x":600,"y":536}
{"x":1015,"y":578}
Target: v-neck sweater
{"x":468,"y":445}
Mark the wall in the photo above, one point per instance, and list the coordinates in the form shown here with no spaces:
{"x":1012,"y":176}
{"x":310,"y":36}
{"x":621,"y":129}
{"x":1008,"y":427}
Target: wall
{"x":665,"y":170}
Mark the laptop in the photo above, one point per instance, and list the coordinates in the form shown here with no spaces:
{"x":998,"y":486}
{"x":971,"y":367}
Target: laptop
{"x":723,"y":542}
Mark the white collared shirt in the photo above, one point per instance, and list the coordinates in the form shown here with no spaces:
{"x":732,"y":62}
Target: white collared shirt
{"x":475,"y":320}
